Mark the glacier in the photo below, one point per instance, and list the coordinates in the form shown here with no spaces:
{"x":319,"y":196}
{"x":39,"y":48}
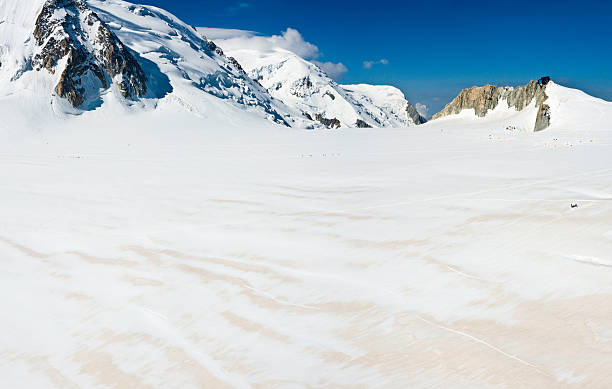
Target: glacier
{"x":209,"y":235}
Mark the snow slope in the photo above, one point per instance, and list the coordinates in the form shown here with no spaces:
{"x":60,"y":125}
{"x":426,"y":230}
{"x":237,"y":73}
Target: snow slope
{"x":304,"y":85}
{"x":572,"y":108}
{"x":385,"y":104}
{"x":160,"y":250}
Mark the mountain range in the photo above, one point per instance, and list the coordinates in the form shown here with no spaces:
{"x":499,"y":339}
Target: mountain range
{"x":73,"y":56}
{"x":60,"y":58}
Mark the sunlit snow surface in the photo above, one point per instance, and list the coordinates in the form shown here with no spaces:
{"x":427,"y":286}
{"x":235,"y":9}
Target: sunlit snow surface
{"x":165,"y":250}
{"x":182,"y":242}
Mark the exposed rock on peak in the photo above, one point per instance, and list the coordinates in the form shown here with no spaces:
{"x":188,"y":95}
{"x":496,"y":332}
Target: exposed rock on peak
{"x":486,"y":98}
{"x":361,"y":124}
{"x":303,"y":88}
{"x":329,"y":123}
{"x":94,"y":56}
{"x":542,"y":118}
{"x":414,"y":114}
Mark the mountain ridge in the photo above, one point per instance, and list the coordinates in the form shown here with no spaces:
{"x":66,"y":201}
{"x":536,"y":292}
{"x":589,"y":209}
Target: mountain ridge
{"x":533,"y":107}
{"x":79,"y":55}
{"x":93,"y":52}
{"x":65,"y":58}
{"x":304,"y":85}
{"x":486,"y":98}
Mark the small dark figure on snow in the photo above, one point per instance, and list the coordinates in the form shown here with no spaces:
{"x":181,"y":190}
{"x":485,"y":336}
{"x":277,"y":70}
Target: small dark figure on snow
{"x":574,"y":205}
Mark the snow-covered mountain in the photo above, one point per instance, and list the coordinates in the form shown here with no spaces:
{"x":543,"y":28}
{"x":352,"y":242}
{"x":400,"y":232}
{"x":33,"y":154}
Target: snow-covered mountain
{"x":302,"y":84}
{"x":536,"y":106}
{"x":61,"y":58}
{"x":386,"y":104}
{"x":74,"y":56}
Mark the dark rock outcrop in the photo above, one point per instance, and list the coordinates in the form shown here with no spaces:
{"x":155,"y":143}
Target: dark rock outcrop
{"x":303,"y":87}
{"x":544,"y":81}
{"x":488,"y":97}
{"x":329,"y":123}
{"x":234,"y":62}
{"x":415,"y":115}
{"x":94,"y":55}
{"x":361,"y":124}
{"x":542,"y":118}
{"x":331,"y":95}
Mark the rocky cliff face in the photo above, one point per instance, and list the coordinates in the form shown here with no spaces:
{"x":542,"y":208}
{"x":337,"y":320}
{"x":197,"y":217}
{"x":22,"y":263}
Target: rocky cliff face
{"x":542,"y":118}
{"x":414,"y":114}
{"x":361,"y":124}
{"x":329,"y":123}
{"x":486,"y":98}
{"x":72,"y":39}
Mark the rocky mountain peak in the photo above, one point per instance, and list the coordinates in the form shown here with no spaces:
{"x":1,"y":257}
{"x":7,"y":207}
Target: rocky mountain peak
{"x":72,"y":39}
{"x":486,"y":98}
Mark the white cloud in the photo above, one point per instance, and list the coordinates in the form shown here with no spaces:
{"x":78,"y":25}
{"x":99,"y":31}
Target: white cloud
{"x":293,"y":41}
{"x":370,"y":64}
{"x":224,"y":33}
{"x":422,"y":109}
{"x":290,"y":40}
{"x":334,"y":70}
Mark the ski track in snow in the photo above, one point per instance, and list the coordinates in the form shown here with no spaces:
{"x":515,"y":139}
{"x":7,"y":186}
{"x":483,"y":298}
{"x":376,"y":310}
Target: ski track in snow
{"x":477,"y":340}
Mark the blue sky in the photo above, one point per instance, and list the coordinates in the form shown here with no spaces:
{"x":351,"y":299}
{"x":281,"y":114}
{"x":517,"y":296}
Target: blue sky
{"x":432,"y":49}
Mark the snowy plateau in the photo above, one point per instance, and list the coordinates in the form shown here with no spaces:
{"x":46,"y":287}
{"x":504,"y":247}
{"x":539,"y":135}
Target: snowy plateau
{"x":174,"y":215}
